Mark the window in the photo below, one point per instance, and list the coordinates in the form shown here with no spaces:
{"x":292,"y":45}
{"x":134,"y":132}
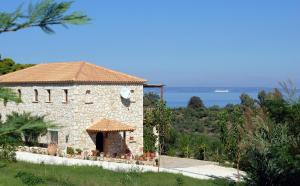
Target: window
{"x":49,"y":96}
{"x":88,"y":97}
{"x":53,"y":137}
{"x":19,"y":93}
{"x":36,"y":95}
{"x":67,"y":138}
{"x":66,"y":100}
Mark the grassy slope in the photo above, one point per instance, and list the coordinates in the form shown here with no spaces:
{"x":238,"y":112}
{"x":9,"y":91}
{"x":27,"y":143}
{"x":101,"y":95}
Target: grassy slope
{"x":89,"y":176}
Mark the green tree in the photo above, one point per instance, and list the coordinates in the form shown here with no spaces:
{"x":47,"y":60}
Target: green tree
{"x":231,"y":123}
{"x":43,"y":14}
{"x":275,"y":105}
{"x":195,"y":103}
{"x":18,"y":125}
{"x":160,"y":118}
{"x":149,"y":138}
{"x":247,"y":101}
{"x":8,"y":65}
{"x":151,"y":99}
{"x":271,"y":159}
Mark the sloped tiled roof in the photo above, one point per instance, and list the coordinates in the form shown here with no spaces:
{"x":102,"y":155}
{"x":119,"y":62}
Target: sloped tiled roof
{"x":68,"y":72}
{"x":106,"y":125}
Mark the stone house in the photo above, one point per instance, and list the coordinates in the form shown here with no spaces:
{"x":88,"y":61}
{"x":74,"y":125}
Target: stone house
{"x":84,"y":102}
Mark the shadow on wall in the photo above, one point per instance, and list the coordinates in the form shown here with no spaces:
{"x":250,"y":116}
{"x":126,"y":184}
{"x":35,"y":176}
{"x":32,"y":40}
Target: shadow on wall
{"x":125,"y":102}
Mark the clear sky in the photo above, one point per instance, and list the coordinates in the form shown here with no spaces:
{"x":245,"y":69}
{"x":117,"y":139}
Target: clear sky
{"x":176,"y":42}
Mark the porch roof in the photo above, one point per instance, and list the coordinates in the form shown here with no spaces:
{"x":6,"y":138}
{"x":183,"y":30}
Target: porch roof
{"x":106,"y":125}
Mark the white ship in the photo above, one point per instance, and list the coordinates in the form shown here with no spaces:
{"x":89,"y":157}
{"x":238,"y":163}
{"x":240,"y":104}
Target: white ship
{"x":222,"y":91}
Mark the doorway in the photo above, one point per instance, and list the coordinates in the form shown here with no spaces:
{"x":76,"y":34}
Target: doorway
{"x":100,"y":141}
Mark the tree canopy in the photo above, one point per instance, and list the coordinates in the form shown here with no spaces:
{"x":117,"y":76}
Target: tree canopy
{"x":43,"y":14}
{"x":195,"y":103}
{"x":8,"y":65}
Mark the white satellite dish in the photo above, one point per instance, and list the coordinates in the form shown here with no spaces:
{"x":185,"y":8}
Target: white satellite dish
{"x":125,"y":93}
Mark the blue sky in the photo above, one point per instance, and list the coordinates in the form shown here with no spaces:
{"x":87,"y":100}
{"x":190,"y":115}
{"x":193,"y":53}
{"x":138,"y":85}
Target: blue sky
{"x":175,"y":42}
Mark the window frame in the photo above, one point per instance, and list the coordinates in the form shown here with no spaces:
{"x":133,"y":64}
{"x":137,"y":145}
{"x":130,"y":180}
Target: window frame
{"x":49,"y":100}
{"x":88,"y":97}
{"x":66,"y":96}
{"x":36,"y":96}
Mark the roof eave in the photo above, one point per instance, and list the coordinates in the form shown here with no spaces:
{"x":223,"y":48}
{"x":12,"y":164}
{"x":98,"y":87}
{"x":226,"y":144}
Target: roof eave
{"x":71,"y":82}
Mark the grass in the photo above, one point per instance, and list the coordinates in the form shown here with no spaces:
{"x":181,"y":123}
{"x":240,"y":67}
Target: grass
{"x":22,"y":173}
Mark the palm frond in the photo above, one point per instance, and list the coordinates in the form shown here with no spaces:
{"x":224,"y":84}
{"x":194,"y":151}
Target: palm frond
{"x":42,"y":14}
{"x":7,"y":94}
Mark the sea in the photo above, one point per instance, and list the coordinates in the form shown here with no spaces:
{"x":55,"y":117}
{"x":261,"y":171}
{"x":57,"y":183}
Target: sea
{"x":211,"y":96}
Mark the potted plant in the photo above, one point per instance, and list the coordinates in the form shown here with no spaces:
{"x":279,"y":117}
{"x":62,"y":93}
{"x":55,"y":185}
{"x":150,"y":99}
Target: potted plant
{"x":156,"y":162}
{"x":152,"y":155}
{"x":78,"y":151}
{"x":70,"y":151}
{"x":141,"y":158}
{"x":52,"y":149}
{"x":128,"y":156}
{"x":102,"y":154}
{"x":94,"y":152}
{"x":148,"y":154}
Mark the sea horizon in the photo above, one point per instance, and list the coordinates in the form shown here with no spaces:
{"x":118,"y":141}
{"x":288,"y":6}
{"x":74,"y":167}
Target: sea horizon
{"x":178,"y":96}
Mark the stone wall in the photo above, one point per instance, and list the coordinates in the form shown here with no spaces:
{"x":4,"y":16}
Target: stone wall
{"x":87,"y":104}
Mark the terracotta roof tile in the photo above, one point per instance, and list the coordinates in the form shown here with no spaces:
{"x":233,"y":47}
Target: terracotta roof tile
{"x":106,"y":125}
{"x":68,"y":72}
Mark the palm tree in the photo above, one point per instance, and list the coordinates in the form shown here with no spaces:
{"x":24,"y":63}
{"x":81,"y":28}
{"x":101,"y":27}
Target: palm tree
{"x":7,"y":94}
{"x":43,"y":15}
{"x":24,"y":124}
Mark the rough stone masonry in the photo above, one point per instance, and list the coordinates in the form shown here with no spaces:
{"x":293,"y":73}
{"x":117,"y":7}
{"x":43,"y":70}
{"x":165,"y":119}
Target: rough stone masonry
{"x":75,"y":106}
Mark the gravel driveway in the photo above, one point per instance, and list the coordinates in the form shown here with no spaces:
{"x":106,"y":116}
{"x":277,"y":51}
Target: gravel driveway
{"x":206,"y":169}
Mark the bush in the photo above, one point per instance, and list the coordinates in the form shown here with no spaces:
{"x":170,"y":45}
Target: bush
{"x":29,"y":178}
{"x":149,"y":139}
{"x":78,"y":151}
{"x":171,"y":152}
{"x":179,"y":181}
{"x":7,"y":153}
{"x":195,"y":103}
{"x":70,"y":150}
{"x":270,"y":159}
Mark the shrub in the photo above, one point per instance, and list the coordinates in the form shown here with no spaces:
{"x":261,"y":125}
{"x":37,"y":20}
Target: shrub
{"x":179,"y":181}
{"x":149,"y":139}
{"x":270,"y":159}
{"x":8,"y":153}
{"x":78,"y":151}
{"x":171,"y":152}
{"x":70,"y":150}
{"x":29,"y":178}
